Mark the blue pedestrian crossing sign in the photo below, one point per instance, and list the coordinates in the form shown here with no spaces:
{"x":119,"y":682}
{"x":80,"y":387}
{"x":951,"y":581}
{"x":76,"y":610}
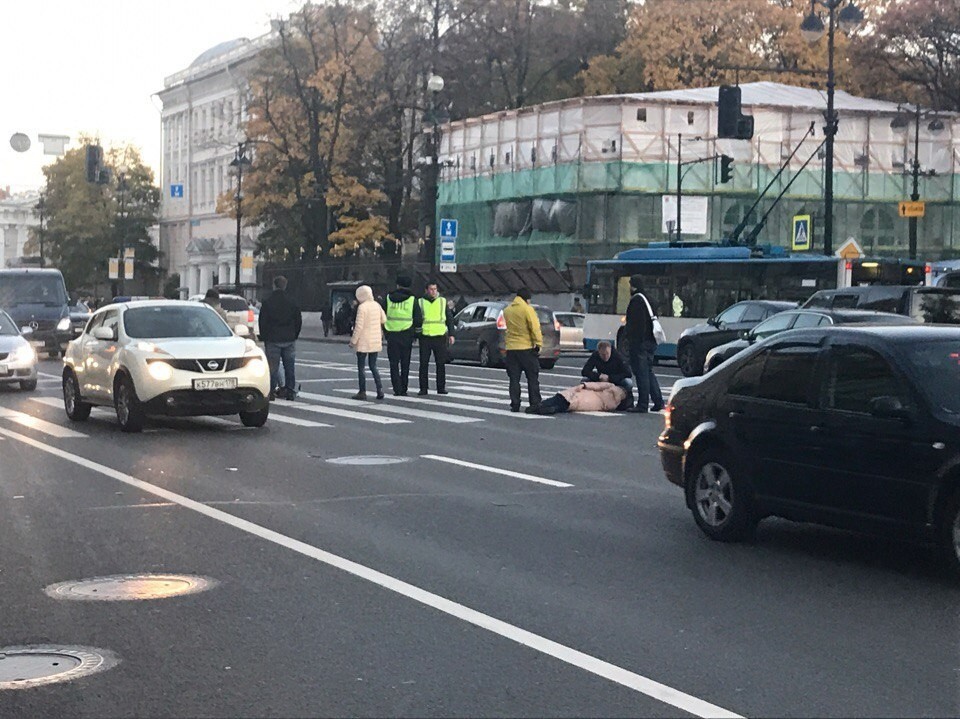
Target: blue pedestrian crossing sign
{"x":448,"y":229}
{"x":802,"y":233}
{"x":176,"y":190}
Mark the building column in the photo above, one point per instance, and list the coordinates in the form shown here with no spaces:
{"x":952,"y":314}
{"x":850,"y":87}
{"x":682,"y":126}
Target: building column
{"x":195,"y":280}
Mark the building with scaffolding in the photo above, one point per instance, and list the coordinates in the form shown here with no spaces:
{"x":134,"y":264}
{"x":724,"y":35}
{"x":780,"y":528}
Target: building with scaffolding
{"x":586,"y":178}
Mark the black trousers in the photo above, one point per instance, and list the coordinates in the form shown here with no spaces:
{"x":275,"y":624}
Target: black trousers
{"x":438,"y":347}
{"x":399,"y":348}
{"x":528,"y":363}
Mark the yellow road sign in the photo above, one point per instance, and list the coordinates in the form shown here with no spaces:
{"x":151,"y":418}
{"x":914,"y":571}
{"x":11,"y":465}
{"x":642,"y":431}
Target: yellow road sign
{"x":913,"y":209}
{"x":801,"y":233}
{"x":850,"y":250}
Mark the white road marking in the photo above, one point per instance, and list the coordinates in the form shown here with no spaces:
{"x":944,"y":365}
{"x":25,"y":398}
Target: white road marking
{"x":384,"y":406}
{"x":497,"y":470}
{"x":41,"y":425}
{"x":468,"y":407}
{"x":284,"y":419}
{"x":568,"y":655}
{"x":326,"y":379}
{"x":337,"y":412}
{"x":50,"y":376}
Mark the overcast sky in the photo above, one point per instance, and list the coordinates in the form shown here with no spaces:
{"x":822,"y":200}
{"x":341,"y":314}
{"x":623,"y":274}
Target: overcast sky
{"x":69,"y":67}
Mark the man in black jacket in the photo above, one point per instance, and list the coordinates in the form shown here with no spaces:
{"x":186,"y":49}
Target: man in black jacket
{"x":605,"y":365}
{"x":280,"y":323}
{"x":403,"y":315}
{"x":639,"y":332}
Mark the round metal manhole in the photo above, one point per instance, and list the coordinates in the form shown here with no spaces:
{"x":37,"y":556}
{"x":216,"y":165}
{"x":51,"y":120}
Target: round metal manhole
{"x":35,"y":665}
{"x":368,"y":459}
{"x":128,"y":587}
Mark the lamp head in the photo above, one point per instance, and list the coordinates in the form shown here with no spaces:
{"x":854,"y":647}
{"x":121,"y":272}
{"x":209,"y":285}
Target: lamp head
{"x":435,"y":83}
{"x":850,"y":17}
{"x":812,"y":27}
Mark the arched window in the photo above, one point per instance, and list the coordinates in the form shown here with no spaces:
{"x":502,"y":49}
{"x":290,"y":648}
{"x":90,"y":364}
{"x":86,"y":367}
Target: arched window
{"x":733,"y":216}
{"x":877,"y":230}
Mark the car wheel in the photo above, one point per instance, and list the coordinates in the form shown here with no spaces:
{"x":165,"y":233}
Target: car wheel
{"x":485,"y":355}
{"x":255,"y":419}
{"x":688,"y":360}
{"x":77,"y":410}
{"x":719,"y":496}
{"x":548,"y":364}
{"x":949,"y":535}
{"x":28,"y":385}
{"x":129,"y":410}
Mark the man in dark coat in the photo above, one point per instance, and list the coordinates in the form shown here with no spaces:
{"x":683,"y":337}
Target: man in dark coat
{"x":403,"y":315}
{"x":280,"y":324}
{"x":639,"y":332}
{"x":606,"y":365}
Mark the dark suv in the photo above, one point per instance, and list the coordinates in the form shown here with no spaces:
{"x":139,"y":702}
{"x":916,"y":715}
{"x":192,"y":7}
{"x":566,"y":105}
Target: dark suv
{"x":37,"y":299}
{"x":938,"y":305}
{"x":696,"y":341}
{"x":479,"y":330}
{"x":855,"y":427}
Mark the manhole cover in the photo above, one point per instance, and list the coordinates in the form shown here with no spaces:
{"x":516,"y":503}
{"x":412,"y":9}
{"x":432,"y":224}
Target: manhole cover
{"x":368,"y":459}
{"x":32,"y":666}
{"x":125,"y":587}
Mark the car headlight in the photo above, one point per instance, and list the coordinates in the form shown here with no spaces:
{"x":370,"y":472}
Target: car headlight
{"x":26,"y":353}
{"x":64,"y":324}
{"x":257,"y":367}
{"x":160,"y":371}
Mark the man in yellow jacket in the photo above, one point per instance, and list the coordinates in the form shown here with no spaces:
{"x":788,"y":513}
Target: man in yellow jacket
{"x":523,"y":342}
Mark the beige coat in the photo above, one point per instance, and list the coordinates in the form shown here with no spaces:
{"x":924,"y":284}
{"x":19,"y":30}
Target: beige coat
{"x":368,"y":328}
{"x":594,"y":397}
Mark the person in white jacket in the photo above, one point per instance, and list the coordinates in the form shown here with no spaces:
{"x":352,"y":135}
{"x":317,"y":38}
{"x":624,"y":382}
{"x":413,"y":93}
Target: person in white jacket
{"x":367,"y":339}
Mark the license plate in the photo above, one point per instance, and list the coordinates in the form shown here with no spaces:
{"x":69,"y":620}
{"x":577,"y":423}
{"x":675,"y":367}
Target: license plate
{"x":220,"y":383}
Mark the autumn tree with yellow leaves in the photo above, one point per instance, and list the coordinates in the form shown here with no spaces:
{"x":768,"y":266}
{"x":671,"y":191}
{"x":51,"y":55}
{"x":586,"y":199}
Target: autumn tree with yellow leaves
{"x":309,"y":102}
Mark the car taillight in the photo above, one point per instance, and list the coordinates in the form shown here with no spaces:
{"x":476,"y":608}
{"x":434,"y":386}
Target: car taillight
{"x":667,"y":411}
{"x":250,"y":316}
{"x":556,"y":324}
{"x":501,"y":322}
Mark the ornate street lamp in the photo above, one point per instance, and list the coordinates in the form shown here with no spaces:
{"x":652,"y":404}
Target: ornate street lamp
{"x":812,"y":29}
{"x":431,"y":190}
{"x":239,"y":160}
{"x":40,"y":207}
{"x":122,"y":170}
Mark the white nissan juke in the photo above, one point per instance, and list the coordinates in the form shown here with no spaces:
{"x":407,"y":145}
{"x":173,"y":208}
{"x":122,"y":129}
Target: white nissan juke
{"x":164,"y":357}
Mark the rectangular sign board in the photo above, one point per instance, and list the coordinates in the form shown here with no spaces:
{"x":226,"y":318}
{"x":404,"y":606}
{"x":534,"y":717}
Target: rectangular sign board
{"x":448,"y":266}
{"x":693,"y":214}
{"x":802,"y":233}
{"x":913,"y":209}
{"x":114,"y":268}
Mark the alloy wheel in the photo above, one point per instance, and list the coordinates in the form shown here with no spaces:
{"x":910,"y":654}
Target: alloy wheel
{"x":714,"y":497}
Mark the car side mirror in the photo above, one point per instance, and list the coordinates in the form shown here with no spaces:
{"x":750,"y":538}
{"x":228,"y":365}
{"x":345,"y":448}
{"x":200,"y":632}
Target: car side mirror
{"x":104,"y":333}
{"x":242,"y":331}
{"x":713,"y":322}
{"x":26,"y":331}
{"x":747,"y":335}
{"x":888,"y":407}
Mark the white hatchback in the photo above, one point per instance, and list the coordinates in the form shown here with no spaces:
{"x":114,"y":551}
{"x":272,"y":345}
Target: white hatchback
{"x":164,"y":357}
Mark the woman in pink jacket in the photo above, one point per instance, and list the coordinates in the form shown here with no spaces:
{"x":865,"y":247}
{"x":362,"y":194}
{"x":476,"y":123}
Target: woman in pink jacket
{"x":367,"y":339}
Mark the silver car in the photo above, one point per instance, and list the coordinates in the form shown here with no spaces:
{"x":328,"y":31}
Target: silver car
{"x":18,"y":359}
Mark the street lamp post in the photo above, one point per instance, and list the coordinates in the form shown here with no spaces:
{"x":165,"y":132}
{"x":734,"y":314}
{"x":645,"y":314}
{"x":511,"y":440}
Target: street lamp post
{"x":432,"y":184}
{"x":812,"y":29}
{"x":239,"y":160}
{"x":122,"y":229}
{"x":899,"y":122}
{"x":41,"y":206}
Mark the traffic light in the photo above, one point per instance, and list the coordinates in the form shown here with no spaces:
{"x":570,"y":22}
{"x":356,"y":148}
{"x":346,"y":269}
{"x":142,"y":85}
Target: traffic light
{"x":731,"y":123}
{"x":726,"y":169}
{"x":94,"y":160}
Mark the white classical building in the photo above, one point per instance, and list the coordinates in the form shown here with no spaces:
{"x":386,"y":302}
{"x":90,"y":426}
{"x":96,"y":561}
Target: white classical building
{"x":203,"y":109}
{"x":17,"y":216}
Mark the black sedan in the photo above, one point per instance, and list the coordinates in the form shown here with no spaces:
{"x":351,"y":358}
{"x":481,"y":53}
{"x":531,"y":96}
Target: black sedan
{"x":854,"y":427}
{"x":799,"y":319}
{"x":696,"y":341}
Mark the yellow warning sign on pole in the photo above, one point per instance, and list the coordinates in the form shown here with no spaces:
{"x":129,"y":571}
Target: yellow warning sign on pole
{"x":913,"y":209}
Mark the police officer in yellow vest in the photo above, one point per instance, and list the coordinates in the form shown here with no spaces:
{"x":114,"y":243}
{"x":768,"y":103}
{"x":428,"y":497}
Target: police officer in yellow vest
{"x":435,"y":335}
{"x":403,"y":314}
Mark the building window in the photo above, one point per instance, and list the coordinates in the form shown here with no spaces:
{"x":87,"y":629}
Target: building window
{"x":641,"y":114}
{"x":878,"y":230}
{"x":690,"y":117}
{"x":732,"y":217}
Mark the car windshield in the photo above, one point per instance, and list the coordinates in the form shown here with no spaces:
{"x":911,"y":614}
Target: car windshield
{"x":173,"y":321}
{"x":7,"y":326}
{"x":937,"y":364}
{"x":233,"y":304}
{"x":32,"y":289}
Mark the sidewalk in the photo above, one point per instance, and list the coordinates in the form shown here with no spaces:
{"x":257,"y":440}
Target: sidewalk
{"x":312,"y":331}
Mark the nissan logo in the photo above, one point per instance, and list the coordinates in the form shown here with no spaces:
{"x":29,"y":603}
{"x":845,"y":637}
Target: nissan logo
{"x":34,"y":324}
{"x":213,"y":364}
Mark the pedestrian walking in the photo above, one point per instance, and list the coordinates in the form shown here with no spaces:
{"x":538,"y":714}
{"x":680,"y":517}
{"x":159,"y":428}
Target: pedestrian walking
{"x":326,"y":318}
{"x":212,"y":298}
{"x":435,"y":335}
{"x":403,"y":314}
{"x":367,"y":339}
{"x":639,"y":330}
{"x":280,"y":324}
{"x":460,"y":303}
{"x":577,"y":307}
{"x":523,"y":342}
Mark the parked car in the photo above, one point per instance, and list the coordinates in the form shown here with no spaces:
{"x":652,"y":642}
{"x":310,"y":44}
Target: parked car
{"x":239,"y":312}
{"x":79,"y":316}
{"x":37,"y":298}
{"x":854,"y":427}
{"x":164,"y":357}
{"x":18,"y":359}
{"x":937,"y":305}
{"x":696,"y":341}
{"x":799,"y":319}
{"x":479,"y":330}
{"x":571,"y":330}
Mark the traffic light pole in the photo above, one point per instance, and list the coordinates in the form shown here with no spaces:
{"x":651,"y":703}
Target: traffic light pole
{"x":915,"y":195}
{"x":679,"y":182}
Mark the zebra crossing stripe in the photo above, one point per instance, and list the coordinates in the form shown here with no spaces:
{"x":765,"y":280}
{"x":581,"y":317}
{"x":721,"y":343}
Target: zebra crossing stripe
{"x":338,"y":412}
{"x":465,"y":407}
{"x":28,"y":420}
{"x":386,"y":407}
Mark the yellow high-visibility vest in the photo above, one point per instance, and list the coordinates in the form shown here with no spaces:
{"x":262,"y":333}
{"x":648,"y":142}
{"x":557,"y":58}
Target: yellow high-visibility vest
{"x":399,"y":315}
{"x":434,"y":317}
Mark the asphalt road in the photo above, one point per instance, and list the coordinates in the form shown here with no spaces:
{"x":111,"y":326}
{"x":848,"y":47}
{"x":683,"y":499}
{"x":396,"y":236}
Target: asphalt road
{"x":505,"y":565}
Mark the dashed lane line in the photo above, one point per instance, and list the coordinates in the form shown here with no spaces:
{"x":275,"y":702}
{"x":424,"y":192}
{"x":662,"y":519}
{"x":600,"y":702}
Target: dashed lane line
{"x":497,"y":470}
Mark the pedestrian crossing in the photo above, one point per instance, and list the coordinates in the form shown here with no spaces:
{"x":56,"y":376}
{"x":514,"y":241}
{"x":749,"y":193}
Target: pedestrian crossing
{"x":470,"y":400}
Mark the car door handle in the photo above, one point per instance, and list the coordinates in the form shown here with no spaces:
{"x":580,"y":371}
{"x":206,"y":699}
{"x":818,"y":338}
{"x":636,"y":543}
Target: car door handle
{"x":815,"y":428}
{"x":735,"y":414}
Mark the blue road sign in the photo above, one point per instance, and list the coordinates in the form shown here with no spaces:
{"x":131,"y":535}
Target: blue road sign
{"x":448,"y":229}
{"x":176,"y":190}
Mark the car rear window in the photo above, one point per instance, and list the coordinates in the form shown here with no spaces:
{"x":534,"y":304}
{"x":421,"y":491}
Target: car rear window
{"x":788,"y":373}
{"x":544,"y":315}
{"x":937,"y":364}
{"x":936,"y":306}
{"x":233,"y":304}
